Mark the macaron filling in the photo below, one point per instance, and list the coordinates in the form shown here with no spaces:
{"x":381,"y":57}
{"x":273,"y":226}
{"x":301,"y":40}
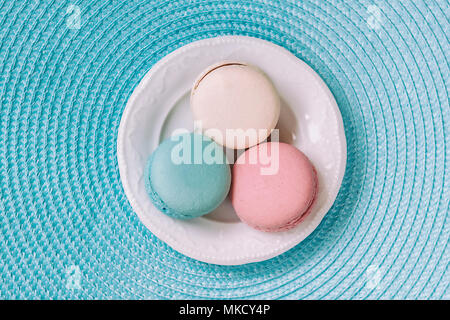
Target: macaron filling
{"x":156,"y":199}
{"x":202,"y":76}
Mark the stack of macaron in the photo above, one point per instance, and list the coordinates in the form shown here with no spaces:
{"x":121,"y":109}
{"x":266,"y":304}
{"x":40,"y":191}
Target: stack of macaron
{"x":272,"y":185}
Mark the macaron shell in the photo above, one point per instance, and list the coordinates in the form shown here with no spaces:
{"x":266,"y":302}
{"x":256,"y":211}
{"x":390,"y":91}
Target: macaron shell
{"x":156,"y":199}
{"x":235,"y":96}
{"x":187,"y":190}
{"x":273,"y":202}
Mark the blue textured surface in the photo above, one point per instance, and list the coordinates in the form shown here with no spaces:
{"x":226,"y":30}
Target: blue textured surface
{"x":64,"y":216}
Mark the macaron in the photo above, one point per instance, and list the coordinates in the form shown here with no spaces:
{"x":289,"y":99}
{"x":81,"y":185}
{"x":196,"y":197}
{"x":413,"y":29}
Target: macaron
{"x":235,"y":104}
{"x":274,"y":187}
{"x":187,"y":176}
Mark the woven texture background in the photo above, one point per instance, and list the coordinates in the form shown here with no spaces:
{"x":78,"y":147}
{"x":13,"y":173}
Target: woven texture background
{"x":67,"y":229}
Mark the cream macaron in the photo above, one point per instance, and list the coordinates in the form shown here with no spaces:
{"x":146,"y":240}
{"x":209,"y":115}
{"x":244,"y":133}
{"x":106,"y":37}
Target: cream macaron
{"x":235,"y":104}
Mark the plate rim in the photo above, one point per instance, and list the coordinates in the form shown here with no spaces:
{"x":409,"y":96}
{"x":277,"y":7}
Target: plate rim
{"x":164,"y":236}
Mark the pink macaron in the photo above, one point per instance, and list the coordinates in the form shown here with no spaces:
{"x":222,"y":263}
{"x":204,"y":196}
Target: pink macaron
{"x":274,"y":186}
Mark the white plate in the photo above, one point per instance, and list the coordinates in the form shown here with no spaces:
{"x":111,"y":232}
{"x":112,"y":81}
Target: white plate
{"x":310,"y":120}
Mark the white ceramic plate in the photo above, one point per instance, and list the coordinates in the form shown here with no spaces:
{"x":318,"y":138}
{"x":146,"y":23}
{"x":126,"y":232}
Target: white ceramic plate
{"x":310,"y":120}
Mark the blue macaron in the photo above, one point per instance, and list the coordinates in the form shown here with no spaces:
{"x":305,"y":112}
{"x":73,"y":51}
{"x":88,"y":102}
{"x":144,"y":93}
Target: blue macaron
{"x":187,"y":176}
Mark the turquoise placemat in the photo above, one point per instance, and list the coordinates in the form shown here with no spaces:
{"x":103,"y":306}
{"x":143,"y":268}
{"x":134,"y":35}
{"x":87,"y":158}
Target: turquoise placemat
{"x":67,"y":70}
